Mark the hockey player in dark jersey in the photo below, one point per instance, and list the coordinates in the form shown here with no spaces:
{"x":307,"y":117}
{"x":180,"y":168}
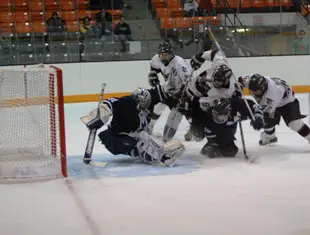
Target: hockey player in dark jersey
{"x":221,"y":125}
{"x":127,"y":131}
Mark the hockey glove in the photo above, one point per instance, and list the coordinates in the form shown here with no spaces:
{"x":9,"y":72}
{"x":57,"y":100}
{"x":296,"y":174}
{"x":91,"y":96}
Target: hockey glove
{"x":204,"y":104}
{"x":258,"y":122}
{"x":241,"y":82}
{"x":197,"y":61}
{"x":95,"y":123}
{"x":153,"y":78}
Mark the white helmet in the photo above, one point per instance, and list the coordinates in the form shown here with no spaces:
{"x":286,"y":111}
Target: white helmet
{"x":142,"y":97}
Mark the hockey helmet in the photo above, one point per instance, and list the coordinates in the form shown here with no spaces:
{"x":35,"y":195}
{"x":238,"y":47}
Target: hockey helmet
{"x":165,"y":52}
{"x":221,"y":76}
{"x":221,"y":111}
{"x":142,"y":97}
{"x":258,"y":84}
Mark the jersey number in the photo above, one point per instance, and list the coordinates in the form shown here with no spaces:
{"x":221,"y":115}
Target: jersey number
{"x":282,"y":83}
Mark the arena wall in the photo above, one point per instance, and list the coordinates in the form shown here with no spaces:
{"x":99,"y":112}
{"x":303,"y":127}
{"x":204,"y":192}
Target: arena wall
{"x":82,"y":81}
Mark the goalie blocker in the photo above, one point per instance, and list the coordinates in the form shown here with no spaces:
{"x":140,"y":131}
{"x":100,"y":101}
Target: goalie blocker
{"x":127,"y":132}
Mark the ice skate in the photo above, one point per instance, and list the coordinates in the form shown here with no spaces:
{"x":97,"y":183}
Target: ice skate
{"x":267,"y":139}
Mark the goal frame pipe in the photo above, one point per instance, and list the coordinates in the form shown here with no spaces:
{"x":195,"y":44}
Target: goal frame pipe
{"x":61,"y":116}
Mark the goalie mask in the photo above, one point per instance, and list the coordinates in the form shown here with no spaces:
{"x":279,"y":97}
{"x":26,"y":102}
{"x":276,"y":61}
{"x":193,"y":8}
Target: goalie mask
{"x":142,"y":97}
{"x":221,"y":111}
{"x":221,"y":76}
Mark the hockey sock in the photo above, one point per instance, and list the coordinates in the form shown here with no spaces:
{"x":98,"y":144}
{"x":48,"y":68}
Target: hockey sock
{"x":301,"y":128}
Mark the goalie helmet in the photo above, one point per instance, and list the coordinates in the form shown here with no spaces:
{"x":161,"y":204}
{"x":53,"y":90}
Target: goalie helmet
{"x":221,"y":76}
{"x":142,"y":97}
{"x":221,"y":111}
{"x":258,"y":85}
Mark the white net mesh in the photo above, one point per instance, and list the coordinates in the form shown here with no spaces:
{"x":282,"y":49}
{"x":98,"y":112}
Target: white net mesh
{"x":30,"y":124}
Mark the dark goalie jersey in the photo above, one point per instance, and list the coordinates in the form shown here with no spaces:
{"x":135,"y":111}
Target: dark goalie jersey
{"x":125,"y":115}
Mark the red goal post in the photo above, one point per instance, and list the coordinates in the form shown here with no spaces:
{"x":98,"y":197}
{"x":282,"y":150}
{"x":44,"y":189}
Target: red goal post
{"x":32,"y":139}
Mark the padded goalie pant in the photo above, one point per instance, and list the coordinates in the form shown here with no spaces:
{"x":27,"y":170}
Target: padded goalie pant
{"x":140,"y":145}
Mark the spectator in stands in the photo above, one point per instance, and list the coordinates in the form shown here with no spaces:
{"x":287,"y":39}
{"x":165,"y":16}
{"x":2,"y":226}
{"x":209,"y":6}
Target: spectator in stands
{"x":104,"y":22}
{"x":56,"y":26}
{"x":87,"y":30}
{"x":301,"y":43}
{"x":191,"y":8}
{"x":123,"y":33}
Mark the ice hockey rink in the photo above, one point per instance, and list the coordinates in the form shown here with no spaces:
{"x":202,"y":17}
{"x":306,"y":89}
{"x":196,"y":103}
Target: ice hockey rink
{"x":198,"y":196}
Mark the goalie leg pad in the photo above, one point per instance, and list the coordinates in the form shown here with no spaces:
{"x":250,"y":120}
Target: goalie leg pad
{"x":173,"y":122}
{"x":155,"y":115}
{"x":117,"y":143}
{"x":150,"y":150}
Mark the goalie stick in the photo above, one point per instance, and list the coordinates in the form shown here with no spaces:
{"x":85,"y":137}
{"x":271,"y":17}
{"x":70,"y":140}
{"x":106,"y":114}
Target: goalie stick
{"x":92,"y":137}
{"x":251,"y":159}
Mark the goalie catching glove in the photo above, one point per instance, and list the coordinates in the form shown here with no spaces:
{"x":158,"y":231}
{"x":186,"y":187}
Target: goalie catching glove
{"x":97,"y":117}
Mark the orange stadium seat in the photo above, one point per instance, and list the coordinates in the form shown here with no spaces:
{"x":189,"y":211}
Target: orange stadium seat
{"x":178,"y":12}
{"x":52,"y":5}
{"x":69,"y":15}
{"x":20,"y":5}
{"x":167,"y":23}
{"x":258,"y":3}
{"x":246,"y":3}
{"x":22,"y":17}
{"x":269,"y":3}
{"x":39,"y":26}
{"x":233,"y":3}
{"x":116,"y":14}
{"x":159,"y":3}
{"x":285,"y":3}
{"x":37,"y":15}
{"x":73,"y":26}
{"x":163,"y":13}
{"x":83,"y":13}
{"x":35,"y":6}
{"x":182,"y":23}
{"x":7,"y":17}
{"x":66,"y":5}
{"x":82,"y":4}
{"x":173,"y":4}
{"x":6,"y":27}
{"x":23,"y":28}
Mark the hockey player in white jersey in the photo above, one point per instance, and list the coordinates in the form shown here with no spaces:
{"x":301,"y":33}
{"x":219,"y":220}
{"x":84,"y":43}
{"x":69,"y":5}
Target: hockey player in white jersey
{"x":127,"y":131}
{"x":212,"y":84}
{"x":177,"y":73}
{"x":277,"y":100}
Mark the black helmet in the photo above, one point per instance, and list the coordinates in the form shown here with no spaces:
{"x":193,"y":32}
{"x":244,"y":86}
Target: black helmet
{"x":165,"y":47}
{"x":221,"y":110}
{"x":221,"y":76}
{"x":258,"y":83}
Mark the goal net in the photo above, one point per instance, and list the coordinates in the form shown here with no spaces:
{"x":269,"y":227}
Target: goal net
{"x":32,"y":138}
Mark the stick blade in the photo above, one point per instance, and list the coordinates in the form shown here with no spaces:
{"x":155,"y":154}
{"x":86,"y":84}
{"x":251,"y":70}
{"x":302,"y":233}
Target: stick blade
{"x":97,"y":164}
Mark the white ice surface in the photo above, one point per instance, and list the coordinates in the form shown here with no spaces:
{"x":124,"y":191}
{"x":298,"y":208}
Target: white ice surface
{"x":197,"y":197}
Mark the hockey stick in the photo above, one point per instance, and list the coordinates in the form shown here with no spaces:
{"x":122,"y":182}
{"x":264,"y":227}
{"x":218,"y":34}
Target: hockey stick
{"x":92,"y":137}
{"x":233,"y":75}
{"x":250,"y":159}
